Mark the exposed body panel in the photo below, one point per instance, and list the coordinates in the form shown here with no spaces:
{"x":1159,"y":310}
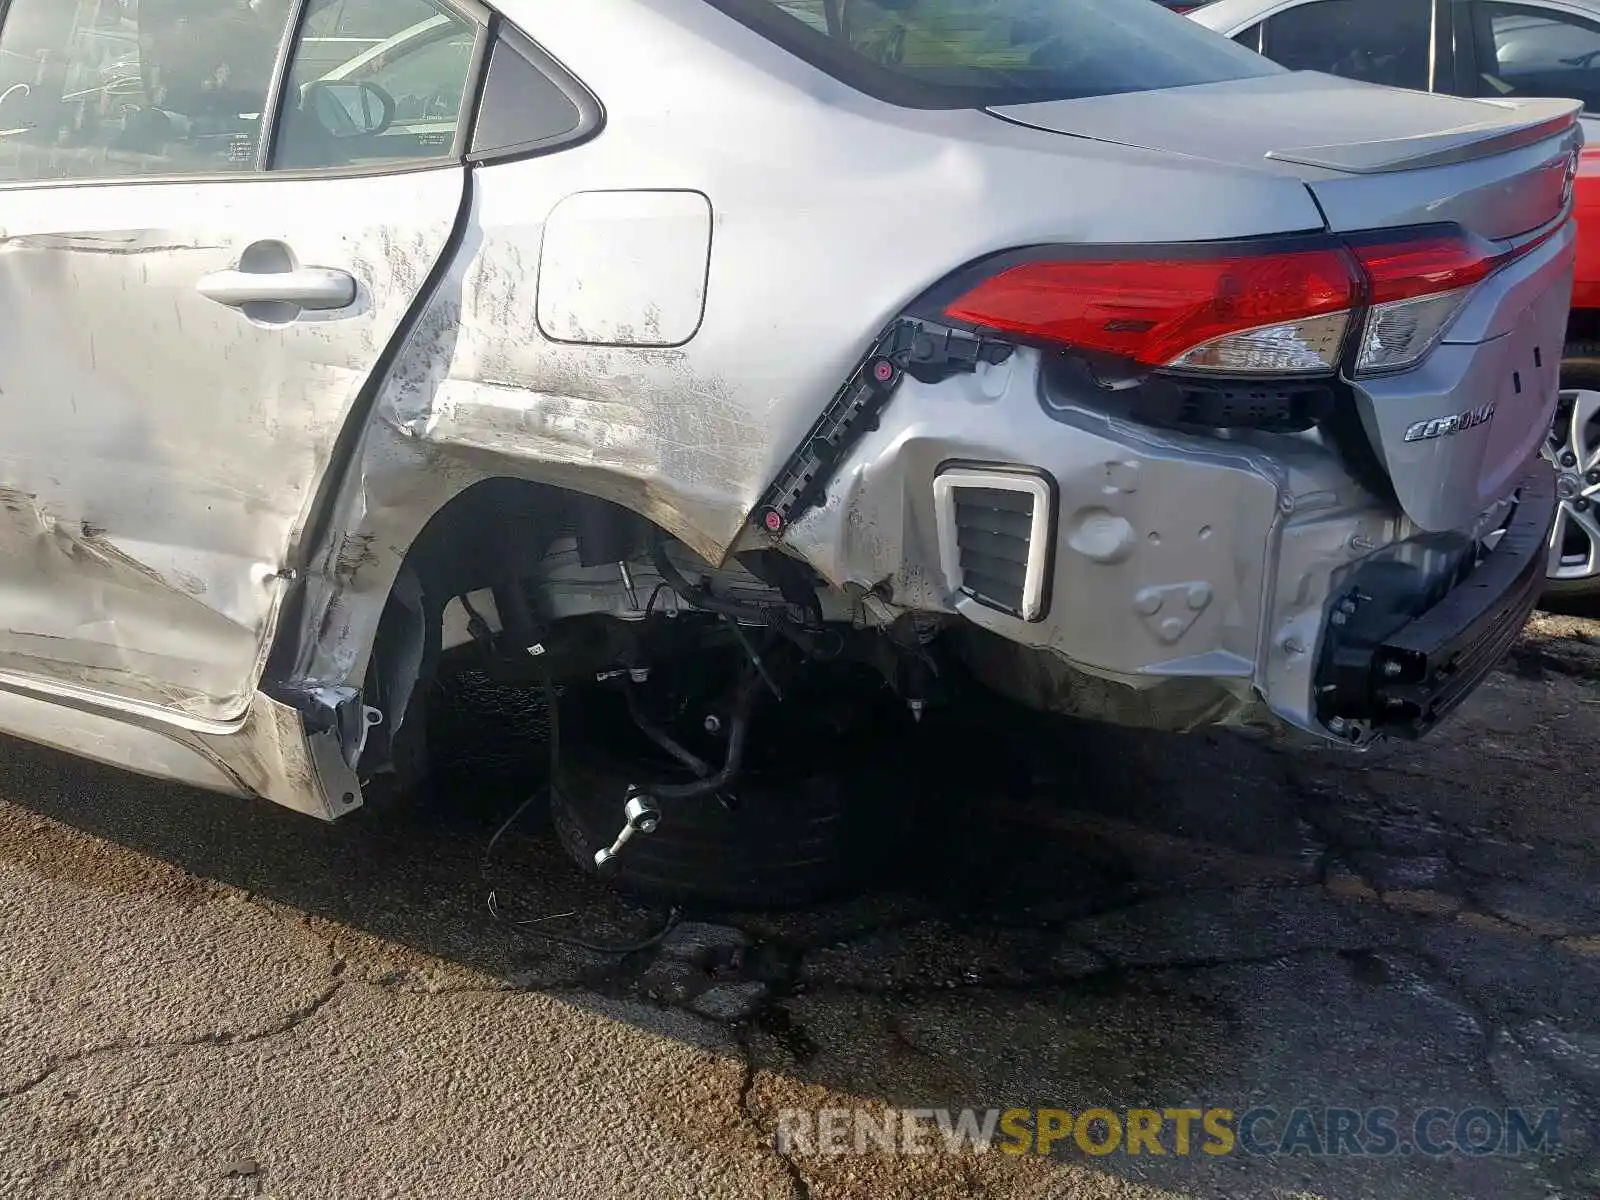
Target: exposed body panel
{"x":820,"y":237}
{"x":1189,"y":576}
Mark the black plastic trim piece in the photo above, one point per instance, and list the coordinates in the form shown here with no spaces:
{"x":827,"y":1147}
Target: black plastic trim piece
{"x":472,"y":94}
{"x":1409,"y":676}
{"x":272,"y":108}
{"x":924,"y":351}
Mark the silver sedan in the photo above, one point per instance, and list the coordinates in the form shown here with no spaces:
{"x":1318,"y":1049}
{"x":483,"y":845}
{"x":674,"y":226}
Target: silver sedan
{"x":1061,"y":342}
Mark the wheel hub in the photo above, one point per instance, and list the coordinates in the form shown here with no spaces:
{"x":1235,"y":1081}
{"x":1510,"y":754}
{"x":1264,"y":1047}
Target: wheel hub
{"x":1574,"y":450}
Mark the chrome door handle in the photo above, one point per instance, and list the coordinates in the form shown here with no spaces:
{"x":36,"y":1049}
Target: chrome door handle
{"x":313,"y":288}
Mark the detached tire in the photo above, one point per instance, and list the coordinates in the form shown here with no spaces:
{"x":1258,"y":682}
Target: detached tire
{"x":796,"y":834}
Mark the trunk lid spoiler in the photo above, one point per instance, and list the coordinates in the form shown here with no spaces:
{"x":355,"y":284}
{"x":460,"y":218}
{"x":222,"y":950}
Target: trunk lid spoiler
{"x":1302,"y":119}
{"x":1535,"y":120}
{"x":1373,"y":157}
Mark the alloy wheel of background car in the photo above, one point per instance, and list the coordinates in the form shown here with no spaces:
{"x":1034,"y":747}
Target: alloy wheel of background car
{"x":1574,"y":448}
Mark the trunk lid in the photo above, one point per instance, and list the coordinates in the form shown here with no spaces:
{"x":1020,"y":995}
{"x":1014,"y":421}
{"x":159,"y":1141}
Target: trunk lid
{"x":1373,"y":157}
{"x":1455,"y":431}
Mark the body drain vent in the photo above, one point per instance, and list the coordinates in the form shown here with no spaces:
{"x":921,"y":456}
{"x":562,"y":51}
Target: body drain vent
{"x":994,"y":537}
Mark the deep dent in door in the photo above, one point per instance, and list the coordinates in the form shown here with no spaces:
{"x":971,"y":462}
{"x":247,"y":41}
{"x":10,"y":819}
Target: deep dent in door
{"x":143,"y":536}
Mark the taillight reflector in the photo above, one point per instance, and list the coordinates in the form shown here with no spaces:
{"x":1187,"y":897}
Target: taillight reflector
{"x":1417,"y":283}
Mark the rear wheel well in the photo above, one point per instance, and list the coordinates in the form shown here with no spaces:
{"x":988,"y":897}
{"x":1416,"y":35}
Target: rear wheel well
{"x":490,"y":536}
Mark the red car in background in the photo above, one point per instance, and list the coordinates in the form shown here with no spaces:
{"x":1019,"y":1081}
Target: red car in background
{"x":1488,"y":49}
{"x":1586,"y":284}
{"x":1575,"y":440}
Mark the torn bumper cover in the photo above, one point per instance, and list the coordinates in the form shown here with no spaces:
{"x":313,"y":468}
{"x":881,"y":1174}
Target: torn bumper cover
{"x":1156,"y":578}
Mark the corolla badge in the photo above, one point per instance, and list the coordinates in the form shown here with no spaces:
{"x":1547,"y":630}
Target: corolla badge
{"x":1438,"y":427}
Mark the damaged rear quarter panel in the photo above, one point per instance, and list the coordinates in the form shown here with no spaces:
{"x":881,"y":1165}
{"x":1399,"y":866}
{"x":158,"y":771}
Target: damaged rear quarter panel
{"x":819,"y":237}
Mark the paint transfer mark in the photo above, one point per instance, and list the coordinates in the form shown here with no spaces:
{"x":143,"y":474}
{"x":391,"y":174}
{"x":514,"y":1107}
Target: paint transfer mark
{"x":81,"y":244}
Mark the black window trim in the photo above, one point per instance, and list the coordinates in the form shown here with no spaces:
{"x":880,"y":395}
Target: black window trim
{"x":1464,"y":46}
{"x":490,"y":26}
{"x":591,"y":113}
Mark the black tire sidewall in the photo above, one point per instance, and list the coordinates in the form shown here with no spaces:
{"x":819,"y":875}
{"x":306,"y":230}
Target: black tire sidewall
{"x":796,"y":837}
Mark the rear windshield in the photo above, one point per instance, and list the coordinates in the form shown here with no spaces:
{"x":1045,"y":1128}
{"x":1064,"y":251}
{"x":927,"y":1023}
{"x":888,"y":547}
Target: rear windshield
{"x":969,"y":53}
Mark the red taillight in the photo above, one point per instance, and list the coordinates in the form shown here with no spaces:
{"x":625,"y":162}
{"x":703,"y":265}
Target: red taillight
{"x":1154,"y":310}
{"x":1416,"y":285}
{"x":1404,"y":270}
{"x":1283,"y":311}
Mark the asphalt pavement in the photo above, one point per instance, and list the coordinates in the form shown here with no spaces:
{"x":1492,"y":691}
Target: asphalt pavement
{"x":207,"y":998}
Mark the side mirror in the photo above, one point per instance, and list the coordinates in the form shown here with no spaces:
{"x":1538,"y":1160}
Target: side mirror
{"x":349,"y":110}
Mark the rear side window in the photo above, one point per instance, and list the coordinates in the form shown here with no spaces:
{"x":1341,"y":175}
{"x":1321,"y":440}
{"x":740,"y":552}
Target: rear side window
{"x":1379,"y":41}
{"x":970,"y":53}
{"x":1528,"y":51}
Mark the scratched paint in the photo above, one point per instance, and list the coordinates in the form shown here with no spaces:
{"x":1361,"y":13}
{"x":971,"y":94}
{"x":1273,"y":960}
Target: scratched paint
{"x":163,"y":448}
{"x":164,"y":453}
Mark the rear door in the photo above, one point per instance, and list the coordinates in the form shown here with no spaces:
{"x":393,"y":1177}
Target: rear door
{"x":1379,"y":41}
{"x":195,"y":294}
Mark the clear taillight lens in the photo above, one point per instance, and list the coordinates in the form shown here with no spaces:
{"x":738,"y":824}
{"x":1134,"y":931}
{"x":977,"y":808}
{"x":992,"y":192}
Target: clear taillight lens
{"x":1303,"y":347}
{"x":1416,"y":284}
{"x":1397,"y":335}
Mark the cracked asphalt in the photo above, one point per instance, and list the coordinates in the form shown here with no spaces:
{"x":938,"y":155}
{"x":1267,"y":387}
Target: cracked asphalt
{"x":204,"y":998}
